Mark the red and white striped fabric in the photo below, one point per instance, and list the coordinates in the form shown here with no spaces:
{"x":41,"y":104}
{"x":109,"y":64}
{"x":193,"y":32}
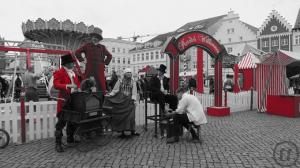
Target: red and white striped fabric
{"x":282,"y":57}
{"x":276,"y":76}
{"x":249,"y":61}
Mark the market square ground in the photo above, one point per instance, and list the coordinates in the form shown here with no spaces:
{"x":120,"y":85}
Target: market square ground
{"x":244,"y":139}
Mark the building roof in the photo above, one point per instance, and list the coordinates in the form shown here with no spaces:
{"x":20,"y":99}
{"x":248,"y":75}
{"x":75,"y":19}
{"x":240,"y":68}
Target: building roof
{"x":200,"y":24}
{"x":297,"y":23}
{"x":252,"y":28}
{"x":281,"y":19}
{"x":249,"y":48}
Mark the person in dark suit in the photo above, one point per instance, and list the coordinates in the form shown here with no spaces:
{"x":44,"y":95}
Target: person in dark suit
{"x":159,"y":88}
{"x":67,"y":82}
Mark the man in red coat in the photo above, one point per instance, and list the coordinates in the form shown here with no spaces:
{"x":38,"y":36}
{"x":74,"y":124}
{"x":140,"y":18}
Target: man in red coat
{"x":66,"y":81}
{"x":97,"y":57}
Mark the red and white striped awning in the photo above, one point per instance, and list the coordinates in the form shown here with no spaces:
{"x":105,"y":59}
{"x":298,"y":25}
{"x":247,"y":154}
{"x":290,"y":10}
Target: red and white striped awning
{"x":249,"y":61}
{"x":282,"y":57}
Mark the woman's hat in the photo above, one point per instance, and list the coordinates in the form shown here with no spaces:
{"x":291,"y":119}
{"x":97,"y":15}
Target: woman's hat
{"x":162,"y":68}
{"x":65,"y":59}
{"x":127,"y":70}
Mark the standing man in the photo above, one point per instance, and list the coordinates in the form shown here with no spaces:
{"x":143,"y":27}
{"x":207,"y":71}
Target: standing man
{"x":189,"y":110}
{"x":97,"y":57}
{"x":67,"y":82}
{"x":159,"y":87}
{"x":31,"y":78}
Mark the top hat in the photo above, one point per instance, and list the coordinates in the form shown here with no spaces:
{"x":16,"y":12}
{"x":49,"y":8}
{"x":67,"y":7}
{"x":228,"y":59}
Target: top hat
{"x":162,"y":68}
{"x":97,"y":33}
{"x":65,"y":59}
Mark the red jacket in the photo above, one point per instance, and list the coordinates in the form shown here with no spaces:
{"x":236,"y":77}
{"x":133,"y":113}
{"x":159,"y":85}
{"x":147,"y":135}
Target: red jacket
{"x":61,"y":79}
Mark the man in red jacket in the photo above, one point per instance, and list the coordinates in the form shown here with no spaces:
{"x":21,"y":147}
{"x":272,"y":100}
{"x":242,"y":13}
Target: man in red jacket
{"x":97,"y":57}
{"x":66,"y":81}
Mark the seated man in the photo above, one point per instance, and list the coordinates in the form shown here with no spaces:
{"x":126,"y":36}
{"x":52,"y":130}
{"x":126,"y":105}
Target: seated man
{"x":159,"y":88}
{"x":189,"y":110}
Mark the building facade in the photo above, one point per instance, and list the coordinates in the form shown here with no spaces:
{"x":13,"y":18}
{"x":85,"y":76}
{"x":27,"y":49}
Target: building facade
{"x":296,"y":34}
{"x":228,"y":29}
{"x":275,"y":33}
{"x":121,"y":58}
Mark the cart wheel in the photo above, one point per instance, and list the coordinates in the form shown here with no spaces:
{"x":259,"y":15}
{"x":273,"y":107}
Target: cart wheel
{"x":104,"y":134}
{"x":4,"y":138}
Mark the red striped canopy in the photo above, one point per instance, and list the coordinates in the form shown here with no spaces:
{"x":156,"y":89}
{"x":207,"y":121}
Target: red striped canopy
{"x":249,"y":61}
{"x":282,"y":57}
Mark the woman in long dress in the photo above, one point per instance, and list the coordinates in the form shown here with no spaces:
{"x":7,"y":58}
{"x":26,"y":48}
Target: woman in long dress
{"x":123,"y":100}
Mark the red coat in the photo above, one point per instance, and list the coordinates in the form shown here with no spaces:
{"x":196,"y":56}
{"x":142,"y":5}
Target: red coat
{"x":61,"y":79}
{"x":97,"y":57}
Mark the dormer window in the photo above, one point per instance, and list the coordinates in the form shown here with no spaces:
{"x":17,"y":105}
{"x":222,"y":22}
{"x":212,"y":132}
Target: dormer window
{"x":180,"y":30}
{"x":157,"y":43}
{"x":198,"y":27}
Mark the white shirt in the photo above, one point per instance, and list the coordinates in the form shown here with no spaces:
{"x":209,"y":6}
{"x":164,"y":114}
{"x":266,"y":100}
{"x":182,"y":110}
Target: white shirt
{"x":191,"y":105}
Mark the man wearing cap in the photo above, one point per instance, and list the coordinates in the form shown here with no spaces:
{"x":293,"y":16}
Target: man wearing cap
{"x":159,"y":87}
{"x":66,"y":81}
{"x":97,"y":57}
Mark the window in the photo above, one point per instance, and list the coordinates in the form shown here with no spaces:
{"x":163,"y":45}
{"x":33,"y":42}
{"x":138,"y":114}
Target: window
{"x":151,"y":55}
{"x":128,"y":61}
{"x":143,"y":57}
{"x":156,"y":55}
{"x":147,"y":56}
{"x":124,"y":50}
{"x":274,"y":42}
{"x":229,"y":39}
{"x":284,"y":42}
{"x":119,"y":60}
{"x":138,"y":57}
{"x":133,"y":58}
{"x":162,"y":56}
{"x":113,"y":60}
{"x":229,"y":49}
{"x":297,"y":40}
{"x":265,"y":43}
{"x":113,"y":50}
{"x":124,"y":61}
{"x":118,"y":50}
{"x":241,"y":38}
{"x":230,"y":31}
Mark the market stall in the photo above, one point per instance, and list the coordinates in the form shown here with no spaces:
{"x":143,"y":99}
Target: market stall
{"x":272,"y":84}
{"x":246,"y":69}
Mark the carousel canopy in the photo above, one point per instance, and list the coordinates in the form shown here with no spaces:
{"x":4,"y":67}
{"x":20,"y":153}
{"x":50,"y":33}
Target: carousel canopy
{"x":282,"y":57}
{"x":249,"y":61}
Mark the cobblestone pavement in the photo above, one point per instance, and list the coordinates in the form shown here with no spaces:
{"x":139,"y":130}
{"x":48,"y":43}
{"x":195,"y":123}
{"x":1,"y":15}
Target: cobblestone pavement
{"x":244,"y":139}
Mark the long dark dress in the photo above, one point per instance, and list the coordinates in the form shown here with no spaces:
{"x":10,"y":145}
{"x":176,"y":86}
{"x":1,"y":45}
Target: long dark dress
{"x":123,"y":107}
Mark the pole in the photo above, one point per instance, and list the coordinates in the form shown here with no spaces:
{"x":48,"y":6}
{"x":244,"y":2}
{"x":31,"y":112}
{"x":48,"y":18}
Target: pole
{"x":22,"y":113}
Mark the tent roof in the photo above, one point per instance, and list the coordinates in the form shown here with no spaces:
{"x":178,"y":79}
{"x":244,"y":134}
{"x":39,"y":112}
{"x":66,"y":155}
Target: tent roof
{"x":249,"y":61}
{"x":282,"y":57}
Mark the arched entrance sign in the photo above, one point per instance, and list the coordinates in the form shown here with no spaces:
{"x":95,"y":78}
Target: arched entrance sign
{"x":176,"y":46}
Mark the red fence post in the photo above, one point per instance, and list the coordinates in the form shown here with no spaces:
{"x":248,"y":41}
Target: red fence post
{"x":22,"y":113}
{"x":225,"y":101}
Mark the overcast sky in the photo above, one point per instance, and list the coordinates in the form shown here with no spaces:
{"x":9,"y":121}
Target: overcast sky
{"x":126,"y":17}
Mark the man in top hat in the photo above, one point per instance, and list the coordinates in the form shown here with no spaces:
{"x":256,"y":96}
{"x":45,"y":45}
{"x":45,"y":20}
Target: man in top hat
{"x":66,"y":81}
{"x":159,"y":87}
{"x":97,"y":57}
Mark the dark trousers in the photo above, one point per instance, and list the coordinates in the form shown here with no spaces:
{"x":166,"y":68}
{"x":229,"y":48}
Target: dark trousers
{"x":162,"y":99}
{"x":182,"y":120}
{"x":61,"y":123}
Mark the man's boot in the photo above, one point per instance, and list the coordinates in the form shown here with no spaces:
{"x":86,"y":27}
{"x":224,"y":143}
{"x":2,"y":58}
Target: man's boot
{"x":58,"y":146}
